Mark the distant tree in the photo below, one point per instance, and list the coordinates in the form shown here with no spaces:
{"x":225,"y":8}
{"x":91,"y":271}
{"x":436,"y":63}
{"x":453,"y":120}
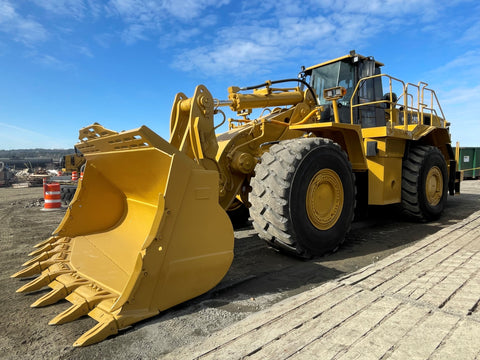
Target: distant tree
{"x":55,"y":154}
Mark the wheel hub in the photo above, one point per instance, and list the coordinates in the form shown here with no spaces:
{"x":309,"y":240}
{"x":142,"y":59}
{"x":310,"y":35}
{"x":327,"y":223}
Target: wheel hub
{"x":325,"y":198}
{"x":434,"y":186}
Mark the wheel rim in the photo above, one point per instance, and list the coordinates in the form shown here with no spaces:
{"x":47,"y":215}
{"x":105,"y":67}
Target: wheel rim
{"x":325,"y":198}
{"x":434,"y":186}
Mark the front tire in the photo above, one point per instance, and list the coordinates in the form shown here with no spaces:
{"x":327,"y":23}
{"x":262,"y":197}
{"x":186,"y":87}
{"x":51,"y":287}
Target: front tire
{"x":303,"y":196}
{"x":424,"y":183}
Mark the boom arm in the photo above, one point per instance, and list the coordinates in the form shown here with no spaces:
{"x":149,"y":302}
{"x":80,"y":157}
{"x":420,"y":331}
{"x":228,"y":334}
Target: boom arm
{"x":191,"y":127}
{"x":233,"y":154}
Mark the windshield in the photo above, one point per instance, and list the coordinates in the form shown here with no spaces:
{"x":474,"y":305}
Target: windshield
{"x":340,"y":73}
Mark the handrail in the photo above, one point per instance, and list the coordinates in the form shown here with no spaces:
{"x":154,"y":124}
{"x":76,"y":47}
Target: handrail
{"x":438,"y":104}
{"x":408,"y":107}
{"x":362,"y":80}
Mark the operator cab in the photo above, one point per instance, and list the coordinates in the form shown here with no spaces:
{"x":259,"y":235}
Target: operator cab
{"x":346,"y":72}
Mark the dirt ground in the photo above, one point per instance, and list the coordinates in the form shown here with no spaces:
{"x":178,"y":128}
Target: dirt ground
{"x":259,"y":277}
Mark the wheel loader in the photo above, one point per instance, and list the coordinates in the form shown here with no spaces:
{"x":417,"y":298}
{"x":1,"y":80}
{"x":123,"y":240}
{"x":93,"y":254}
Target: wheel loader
{"x":149,"y":225}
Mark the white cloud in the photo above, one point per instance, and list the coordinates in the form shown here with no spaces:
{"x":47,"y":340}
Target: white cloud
{"x":72,"y":8}
{"x":461,"y":71}
{"x":142,"y":18}
{"x":78,"y":9}
{"x":146,"y":19}
{"x":7,"y":12}
{"x":30,"y":32}
{"x":242,"y":48}
{"x":134,"y":33}
{"x":189,"y":9}
{"x":289,"y":30}
{"x":84,"y":50}
{"x":463,"y":61}
{"x":22,"y":29}
{"x":104,"y":39}
{"x":458,"y":90}
{"x":133,"y":11}
{"x":49,"y":61}
{"x":459,"y":96}
{"x":470,"y":36}
{"x":232,"y":57}
{"x":247,"y":48}
{"x":95,"y":8}
{"x":251,"y":35}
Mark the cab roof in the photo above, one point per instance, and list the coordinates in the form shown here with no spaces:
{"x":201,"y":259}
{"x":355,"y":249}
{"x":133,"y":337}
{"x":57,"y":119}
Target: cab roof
{"x":349,"y":56}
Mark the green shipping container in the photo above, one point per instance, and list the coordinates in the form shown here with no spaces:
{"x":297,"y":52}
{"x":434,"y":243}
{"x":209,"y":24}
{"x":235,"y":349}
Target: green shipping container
{"x":469,"y":162}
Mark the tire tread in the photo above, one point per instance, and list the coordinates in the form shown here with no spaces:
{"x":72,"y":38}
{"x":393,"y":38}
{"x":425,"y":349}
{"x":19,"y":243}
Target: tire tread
{"x":271,"y":188}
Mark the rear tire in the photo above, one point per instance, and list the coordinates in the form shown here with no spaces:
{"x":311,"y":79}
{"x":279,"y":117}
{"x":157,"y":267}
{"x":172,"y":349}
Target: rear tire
{"x":303,"y":196}
{"x":424,"y":183}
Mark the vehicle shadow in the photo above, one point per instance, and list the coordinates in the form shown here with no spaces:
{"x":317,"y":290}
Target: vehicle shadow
{"x":384,"y":231}
{"x":387,"y":228}
{"x":260,"y":272}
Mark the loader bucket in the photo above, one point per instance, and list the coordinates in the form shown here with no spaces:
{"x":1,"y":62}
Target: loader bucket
{"x":144,"y":232}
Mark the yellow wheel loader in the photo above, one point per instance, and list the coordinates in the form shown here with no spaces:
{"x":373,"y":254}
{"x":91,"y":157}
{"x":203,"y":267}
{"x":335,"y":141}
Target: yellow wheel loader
{"x":72,"y":162}
{"x":148,"y":227}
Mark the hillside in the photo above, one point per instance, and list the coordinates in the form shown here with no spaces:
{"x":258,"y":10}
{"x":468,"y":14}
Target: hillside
{"x":55,"y":154}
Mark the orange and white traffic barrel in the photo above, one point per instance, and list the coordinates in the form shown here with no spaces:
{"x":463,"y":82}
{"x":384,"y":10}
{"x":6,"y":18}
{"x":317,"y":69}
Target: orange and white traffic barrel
{"x":74,"y":175}
{"x":52,"y":196}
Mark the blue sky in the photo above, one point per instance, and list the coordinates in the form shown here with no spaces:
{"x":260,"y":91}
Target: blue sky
{"x":65,"y":64}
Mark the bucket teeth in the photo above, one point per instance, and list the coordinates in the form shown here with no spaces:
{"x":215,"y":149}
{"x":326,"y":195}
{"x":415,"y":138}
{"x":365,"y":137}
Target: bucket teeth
{"x":51,"y":239}
{"x":39,"y":266}
{"x":51,"y":261}
{"x":98,"y":333}
{"x":61,"y":287}
{"x":36,"y":284}
{"x":49,"y":246}
{"x":45,"y":278}
{"x":51,"y":298}
{"x":48,"y":254}
{"x":84,"y":299}
{"x":33,"y":269}
{"x":72,"y":313}
{"x":41,"y":250}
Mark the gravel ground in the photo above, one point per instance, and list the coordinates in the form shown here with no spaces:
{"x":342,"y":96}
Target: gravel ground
{"x":259,"y":277}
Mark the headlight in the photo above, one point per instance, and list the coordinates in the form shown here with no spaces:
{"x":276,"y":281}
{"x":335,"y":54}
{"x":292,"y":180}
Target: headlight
{"x":334,"y":93}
